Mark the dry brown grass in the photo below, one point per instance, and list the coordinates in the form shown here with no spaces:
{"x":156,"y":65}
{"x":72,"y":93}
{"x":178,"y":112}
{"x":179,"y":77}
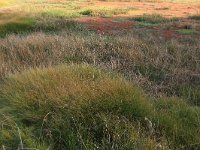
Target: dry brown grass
{"x":161,"y":66}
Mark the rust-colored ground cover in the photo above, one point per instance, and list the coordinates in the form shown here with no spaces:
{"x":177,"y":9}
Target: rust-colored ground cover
{"x":107,"y":25}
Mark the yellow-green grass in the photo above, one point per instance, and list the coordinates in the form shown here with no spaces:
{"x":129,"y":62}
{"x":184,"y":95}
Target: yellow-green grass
{"x":103,"y":12}
{"x":81,"y":107}
{"x":5,"y":3}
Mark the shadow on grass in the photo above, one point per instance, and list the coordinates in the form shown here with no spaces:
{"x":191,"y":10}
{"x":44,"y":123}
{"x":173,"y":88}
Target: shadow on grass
{"x":47,"y":24}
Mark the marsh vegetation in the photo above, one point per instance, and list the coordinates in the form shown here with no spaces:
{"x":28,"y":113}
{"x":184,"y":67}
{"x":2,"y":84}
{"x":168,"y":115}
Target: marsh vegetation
{"x":77,"y":76}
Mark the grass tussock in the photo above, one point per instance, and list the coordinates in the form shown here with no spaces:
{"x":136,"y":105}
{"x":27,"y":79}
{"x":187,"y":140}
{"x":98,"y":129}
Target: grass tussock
{"x":81,"y":107}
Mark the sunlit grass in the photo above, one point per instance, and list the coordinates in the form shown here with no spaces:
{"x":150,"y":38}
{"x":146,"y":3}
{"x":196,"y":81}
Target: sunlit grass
{"x":4,"y":3}
{"x":28,"y":15}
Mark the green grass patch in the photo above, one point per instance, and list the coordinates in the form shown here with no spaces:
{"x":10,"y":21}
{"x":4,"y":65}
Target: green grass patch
{"x":188,"y":31}
{"x":48,"y":24}
{"x":191,"y":93}
{"x":121,"y":19}
{"x":17,"y":27}
{"x":152,"y":19}
{"x":61,"y":14}
{"x":103,"y":12}
{"x":153,"y":73}
{"x":81,"y":107}
{"x":146,"y":24}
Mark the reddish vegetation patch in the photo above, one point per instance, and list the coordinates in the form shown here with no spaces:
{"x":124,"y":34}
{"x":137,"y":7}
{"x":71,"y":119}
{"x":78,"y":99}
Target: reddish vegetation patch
{"x":116,"y":24}
{"x":107,"y":25}
{"x":119,"y":23}
{"x":170,"y":34}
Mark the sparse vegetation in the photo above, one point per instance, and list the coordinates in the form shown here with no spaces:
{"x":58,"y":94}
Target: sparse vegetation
{"x":66,"y":83}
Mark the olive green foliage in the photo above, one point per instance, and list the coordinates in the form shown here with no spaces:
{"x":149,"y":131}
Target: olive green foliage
{"x":152,"y":19}
{"x":81,"y":107}
{"x":188,"y":31}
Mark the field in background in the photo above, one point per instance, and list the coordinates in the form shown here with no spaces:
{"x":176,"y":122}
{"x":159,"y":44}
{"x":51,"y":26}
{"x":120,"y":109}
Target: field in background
{"x":110,"y":74}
